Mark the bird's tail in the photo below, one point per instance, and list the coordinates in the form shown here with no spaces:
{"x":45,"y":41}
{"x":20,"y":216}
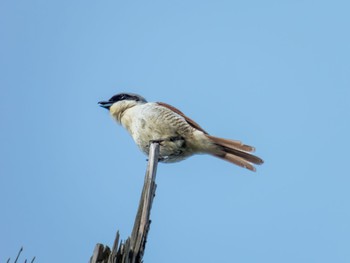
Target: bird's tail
{"x":235,"y":152}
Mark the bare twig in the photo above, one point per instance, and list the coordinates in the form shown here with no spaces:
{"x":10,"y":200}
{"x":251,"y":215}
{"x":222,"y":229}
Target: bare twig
{"x":132,"y":250}
{"x":19,"y":253}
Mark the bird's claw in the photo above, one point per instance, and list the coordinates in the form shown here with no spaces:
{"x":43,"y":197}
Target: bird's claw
{"x":170,"y":139}
{"x":156,"y":141}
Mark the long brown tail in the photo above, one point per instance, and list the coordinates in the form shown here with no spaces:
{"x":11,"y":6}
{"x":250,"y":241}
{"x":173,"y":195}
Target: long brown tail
{"x":236,"y":152}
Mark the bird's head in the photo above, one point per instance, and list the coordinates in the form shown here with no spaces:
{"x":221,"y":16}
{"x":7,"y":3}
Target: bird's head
{"x":121,"y":102}
{"x":122,"y":98}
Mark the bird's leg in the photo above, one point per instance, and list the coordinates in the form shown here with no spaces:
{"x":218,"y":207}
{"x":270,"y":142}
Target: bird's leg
{"x":176,"y":138}
{"x":159,"y":141}
{"x":170,"y":139}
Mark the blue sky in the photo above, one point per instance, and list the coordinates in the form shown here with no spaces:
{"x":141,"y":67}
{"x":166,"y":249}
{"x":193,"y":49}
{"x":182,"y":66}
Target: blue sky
{"x":274,"y":74}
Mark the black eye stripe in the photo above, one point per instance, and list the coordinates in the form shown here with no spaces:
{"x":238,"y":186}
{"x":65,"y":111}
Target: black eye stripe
{"x":120,"y":97}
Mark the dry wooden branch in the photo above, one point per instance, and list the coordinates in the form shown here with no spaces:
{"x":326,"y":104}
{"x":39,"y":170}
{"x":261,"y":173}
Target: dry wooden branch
{"x":132,"y":250}
{"x":18,"y":254}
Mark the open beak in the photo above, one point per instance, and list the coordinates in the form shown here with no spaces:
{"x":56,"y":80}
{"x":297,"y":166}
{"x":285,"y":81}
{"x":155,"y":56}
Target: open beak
{"x":105,"y":104}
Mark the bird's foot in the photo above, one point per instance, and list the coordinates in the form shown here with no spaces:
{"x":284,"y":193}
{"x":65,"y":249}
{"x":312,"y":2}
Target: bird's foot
{"x":156,"y":141}
{"x":170,"y":139}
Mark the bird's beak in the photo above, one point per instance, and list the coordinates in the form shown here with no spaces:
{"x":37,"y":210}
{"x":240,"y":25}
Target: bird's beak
{"x":105,"y":104}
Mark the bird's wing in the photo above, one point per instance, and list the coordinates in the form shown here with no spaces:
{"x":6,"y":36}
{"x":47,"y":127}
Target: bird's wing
{"x":188,"y":120}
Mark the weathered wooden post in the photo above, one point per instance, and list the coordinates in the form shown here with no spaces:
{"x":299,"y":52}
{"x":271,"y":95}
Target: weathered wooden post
{"x":132,"y":250}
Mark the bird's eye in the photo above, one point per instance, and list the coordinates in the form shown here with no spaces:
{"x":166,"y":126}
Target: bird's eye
{"x":120,"y":97}
{"x":116,"y":98}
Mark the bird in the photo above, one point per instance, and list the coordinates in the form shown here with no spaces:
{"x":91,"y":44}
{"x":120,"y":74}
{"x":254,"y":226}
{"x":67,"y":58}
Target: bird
{"x":179,"y":136}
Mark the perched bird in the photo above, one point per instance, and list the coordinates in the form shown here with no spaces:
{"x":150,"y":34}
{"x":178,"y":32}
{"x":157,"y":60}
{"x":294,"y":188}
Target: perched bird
{"x":178,"y":135}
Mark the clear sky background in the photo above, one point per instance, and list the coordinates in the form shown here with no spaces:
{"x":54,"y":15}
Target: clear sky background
{"x":274,"y":74}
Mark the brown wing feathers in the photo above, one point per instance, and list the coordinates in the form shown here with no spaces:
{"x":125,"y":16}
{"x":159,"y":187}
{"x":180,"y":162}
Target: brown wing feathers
{"x":188,"y":120}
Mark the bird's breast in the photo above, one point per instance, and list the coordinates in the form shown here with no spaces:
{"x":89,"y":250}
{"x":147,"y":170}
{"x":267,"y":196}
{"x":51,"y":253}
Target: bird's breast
{"x":150,"y":122}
